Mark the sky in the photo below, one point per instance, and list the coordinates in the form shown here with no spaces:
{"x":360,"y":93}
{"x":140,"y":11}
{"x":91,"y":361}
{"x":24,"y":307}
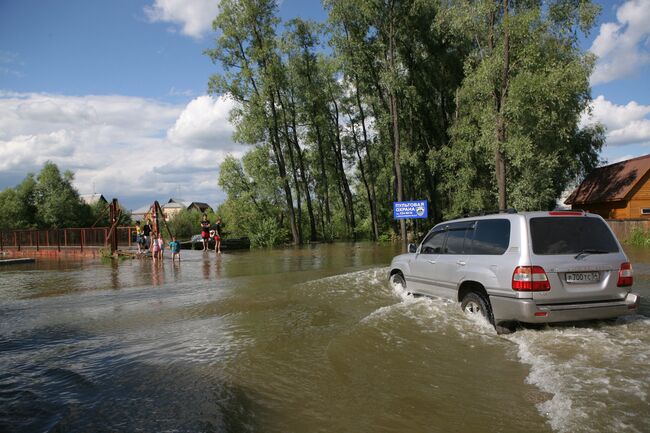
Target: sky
{"x":116,"y":91}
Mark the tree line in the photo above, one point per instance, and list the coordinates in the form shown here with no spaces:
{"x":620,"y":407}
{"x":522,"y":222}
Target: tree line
{"x":471,"y":104}
{"x":49,"y":200}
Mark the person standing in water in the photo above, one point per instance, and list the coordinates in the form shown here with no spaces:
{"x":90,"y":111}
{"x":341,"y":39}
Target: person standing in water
{"x":175,"y":248}
{"x":217,"y":236}
{"x":154,"y":247}
{"x":138,"y":236}
{"x":205,"y":231}
{"x":146,"y":234}
{"x":161,"y":246}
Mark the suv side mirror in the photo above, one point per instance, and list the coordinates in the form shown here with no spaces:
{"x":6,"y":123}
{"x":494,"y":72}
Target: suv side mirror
{"x":412,"y":248}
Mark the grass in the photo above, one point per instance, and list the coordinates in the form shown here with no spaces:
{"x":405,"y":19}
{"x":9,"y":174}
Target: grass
{"x":639,"y":237}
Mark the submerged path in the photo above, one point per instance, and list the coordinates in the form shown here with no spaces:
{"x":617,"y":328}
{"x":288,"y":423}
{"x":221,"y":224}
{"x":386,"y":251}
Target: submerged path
{"x":297,"y":340}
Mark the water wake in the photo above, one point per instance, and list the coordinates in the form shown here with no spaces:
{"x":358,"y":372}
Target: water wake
{"x":595,"y":373}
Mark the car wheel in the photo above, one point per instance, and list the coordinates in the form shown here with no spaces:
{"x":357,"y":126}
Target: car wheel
{"x":397,"y":281}
{"x":474,"y":304}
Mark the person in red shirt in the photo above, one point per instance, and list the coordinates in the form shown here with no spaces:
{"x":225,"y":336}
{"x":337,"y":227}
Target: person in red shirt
{"x":205,"y":231}
{"x":217,"y":236}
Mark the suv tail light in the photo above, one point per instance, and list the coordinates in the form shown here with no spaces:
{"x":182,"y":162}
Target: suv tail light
{"x":625,"y":275}
{"x":530,"y":279}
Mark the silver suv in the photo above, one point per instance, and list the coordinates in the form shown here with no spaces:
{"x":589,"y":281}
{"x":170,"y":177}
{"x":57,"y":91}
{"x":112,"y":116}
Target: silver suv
{"x":533,"y":267}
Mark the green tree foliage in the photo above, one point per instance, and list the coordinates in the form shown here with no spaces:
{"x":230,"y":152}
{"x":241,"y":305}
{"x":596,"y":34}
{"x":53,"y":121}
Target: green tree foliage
{"x":45,"y":201}
{"x":471,"y":104}
{"x":187,"y":223}
{"x":516,"y":137}
{"x":17,"y":206}
{"x":254,"y":206}
{"x":100,"y":215}
{"x":57,"y":201}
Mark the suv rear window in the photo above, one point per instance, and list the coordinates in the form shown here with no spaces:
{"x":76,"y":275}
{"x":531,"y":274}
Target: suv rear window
{"x":570,"y":235}
{"x":491,"y":236}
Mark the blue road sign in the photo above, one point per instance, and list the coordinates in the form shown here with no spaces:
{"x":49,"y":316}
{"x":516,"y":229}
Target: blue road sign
{"x":410,"y":209}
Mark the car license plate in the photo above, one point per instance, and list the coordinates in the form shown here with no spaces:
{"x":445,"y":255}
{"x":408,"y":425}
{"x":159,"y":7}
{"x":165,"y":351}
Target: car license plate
{"x":582,"y":277}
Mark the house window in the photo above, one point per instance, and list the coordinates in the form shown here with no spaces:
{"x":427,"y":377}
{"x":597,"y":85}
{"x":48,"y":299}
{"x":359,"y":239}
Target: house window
{"x":645,"y":211}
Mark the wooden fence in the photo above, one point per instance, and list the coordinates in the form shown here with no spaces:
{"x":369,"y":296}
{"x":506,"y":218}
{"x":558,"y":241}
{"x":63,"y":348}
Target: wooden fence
{"x":624,"y":228}
{"x":63,"y":239}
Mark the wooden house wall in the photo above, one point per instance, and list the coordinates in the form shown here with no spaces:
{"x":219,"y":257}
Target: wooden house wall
{"x":639,"y":198}
{"x":612,"y":210}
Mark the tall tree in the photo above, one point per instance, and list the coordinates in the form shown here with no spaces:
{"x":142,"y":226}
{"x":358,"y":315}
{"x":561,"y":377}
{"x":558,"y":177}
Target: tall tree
{"x":525,"y":87}
{"x":57,"y":201}
{"x":247,"y":51}
{"x":472,"y":104}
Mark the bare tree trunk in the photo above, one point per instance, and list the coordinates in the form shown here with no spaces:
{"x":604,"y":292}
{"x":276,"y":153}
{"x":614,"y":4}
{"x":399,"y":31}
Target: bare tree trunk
{"x":313,"y":234}
{"x":279,"y":156}
{"x":365,"y":180}
{"x":394,"y":113}
{"x":323,"y":172}
{"x":321,"y":152}
{"x":294,"y":169}
{"x":372,"y":196}
{"x":276,"y":145}
{"x":338,"y":152}
{"x":501,"y":127}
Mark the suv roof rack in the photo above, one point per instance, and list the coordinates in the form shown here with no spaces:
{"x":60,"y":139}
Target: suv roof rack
{"x":482,"y":212}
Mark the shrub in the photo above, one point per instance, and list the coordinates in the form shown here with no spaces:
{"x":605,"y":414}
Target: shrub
{"x":266,"y":233}
{"x":639,"y":237}
{"x":186,"y":223}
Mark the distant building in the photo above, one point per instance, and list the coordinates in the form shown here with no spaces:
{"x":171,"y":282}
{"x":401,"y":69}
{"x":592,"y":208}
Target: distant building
{"x":93,"y":199}
{"x":175,"y":205}
{"x":200,"y":206}
{"x":141,"y":213}
{"x":616,"y":191}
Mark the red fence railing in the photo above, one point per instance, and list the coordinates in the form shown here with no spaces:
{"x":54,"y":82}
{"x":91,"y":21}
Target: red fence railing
{"x":78,"y":238}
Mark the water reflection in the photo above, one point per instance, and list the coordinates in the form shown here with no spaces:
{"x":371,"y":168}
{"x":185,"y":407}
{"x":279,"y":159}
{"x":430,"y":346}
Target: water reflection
{"x":115,"y":274}
{"x":218,"y":266}
{"x":296,"y":340}
{"x":157,"y":273}
{"x":176,"y":270}
{"x":206,"y":267}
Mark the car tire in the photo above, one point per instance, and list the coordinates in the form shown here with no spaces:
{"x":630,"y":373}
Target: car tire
{"x":474,"y":303}
{"x":397,"y":279}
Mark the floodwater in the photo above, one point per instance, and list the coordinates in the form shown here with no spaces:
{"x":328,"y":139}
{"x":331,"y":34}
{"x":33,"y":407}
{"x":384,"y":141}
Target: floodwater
{"x":297,"y":340}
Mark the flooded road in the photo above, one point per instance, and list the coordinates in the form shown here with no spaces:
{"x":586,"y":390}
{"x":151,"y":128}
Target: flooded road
{"x":297,"y":340}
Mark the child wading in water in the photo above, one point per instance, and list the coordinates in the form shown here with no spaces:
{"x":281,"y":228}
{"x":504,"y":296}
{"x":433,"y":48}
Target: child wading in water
{"x":175,"y":248}
{"x":154,"y":247}
{"x":138,"y":236}
{"x":217,"y":236}
{"x":205,"y":231}
{"x":161,"y":246}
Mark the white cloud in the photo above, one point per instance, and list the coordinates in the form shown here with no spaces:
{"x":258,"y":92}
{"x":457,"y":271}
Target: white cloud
{"x":9,"y":61}
{"x":626,"y":124}
{"x":623,"y":47}
{"x":30,"y":150}
{"x":193,"y":16}
{"x":127,"y":147}
{"x":177,"y":92}
{"x":204,"y":124}
{"x":621,"y":158}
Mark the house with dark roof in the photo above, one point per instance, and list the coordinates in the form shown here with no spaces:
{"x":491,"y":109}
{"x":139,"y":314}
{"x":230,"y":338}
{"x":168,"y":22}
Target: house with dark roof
{"x":142,"y":213}
{"x":93,"y":199}
{"x":616,"y":191}
{"x":200,"y":206}
{"x":175,"y":205}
